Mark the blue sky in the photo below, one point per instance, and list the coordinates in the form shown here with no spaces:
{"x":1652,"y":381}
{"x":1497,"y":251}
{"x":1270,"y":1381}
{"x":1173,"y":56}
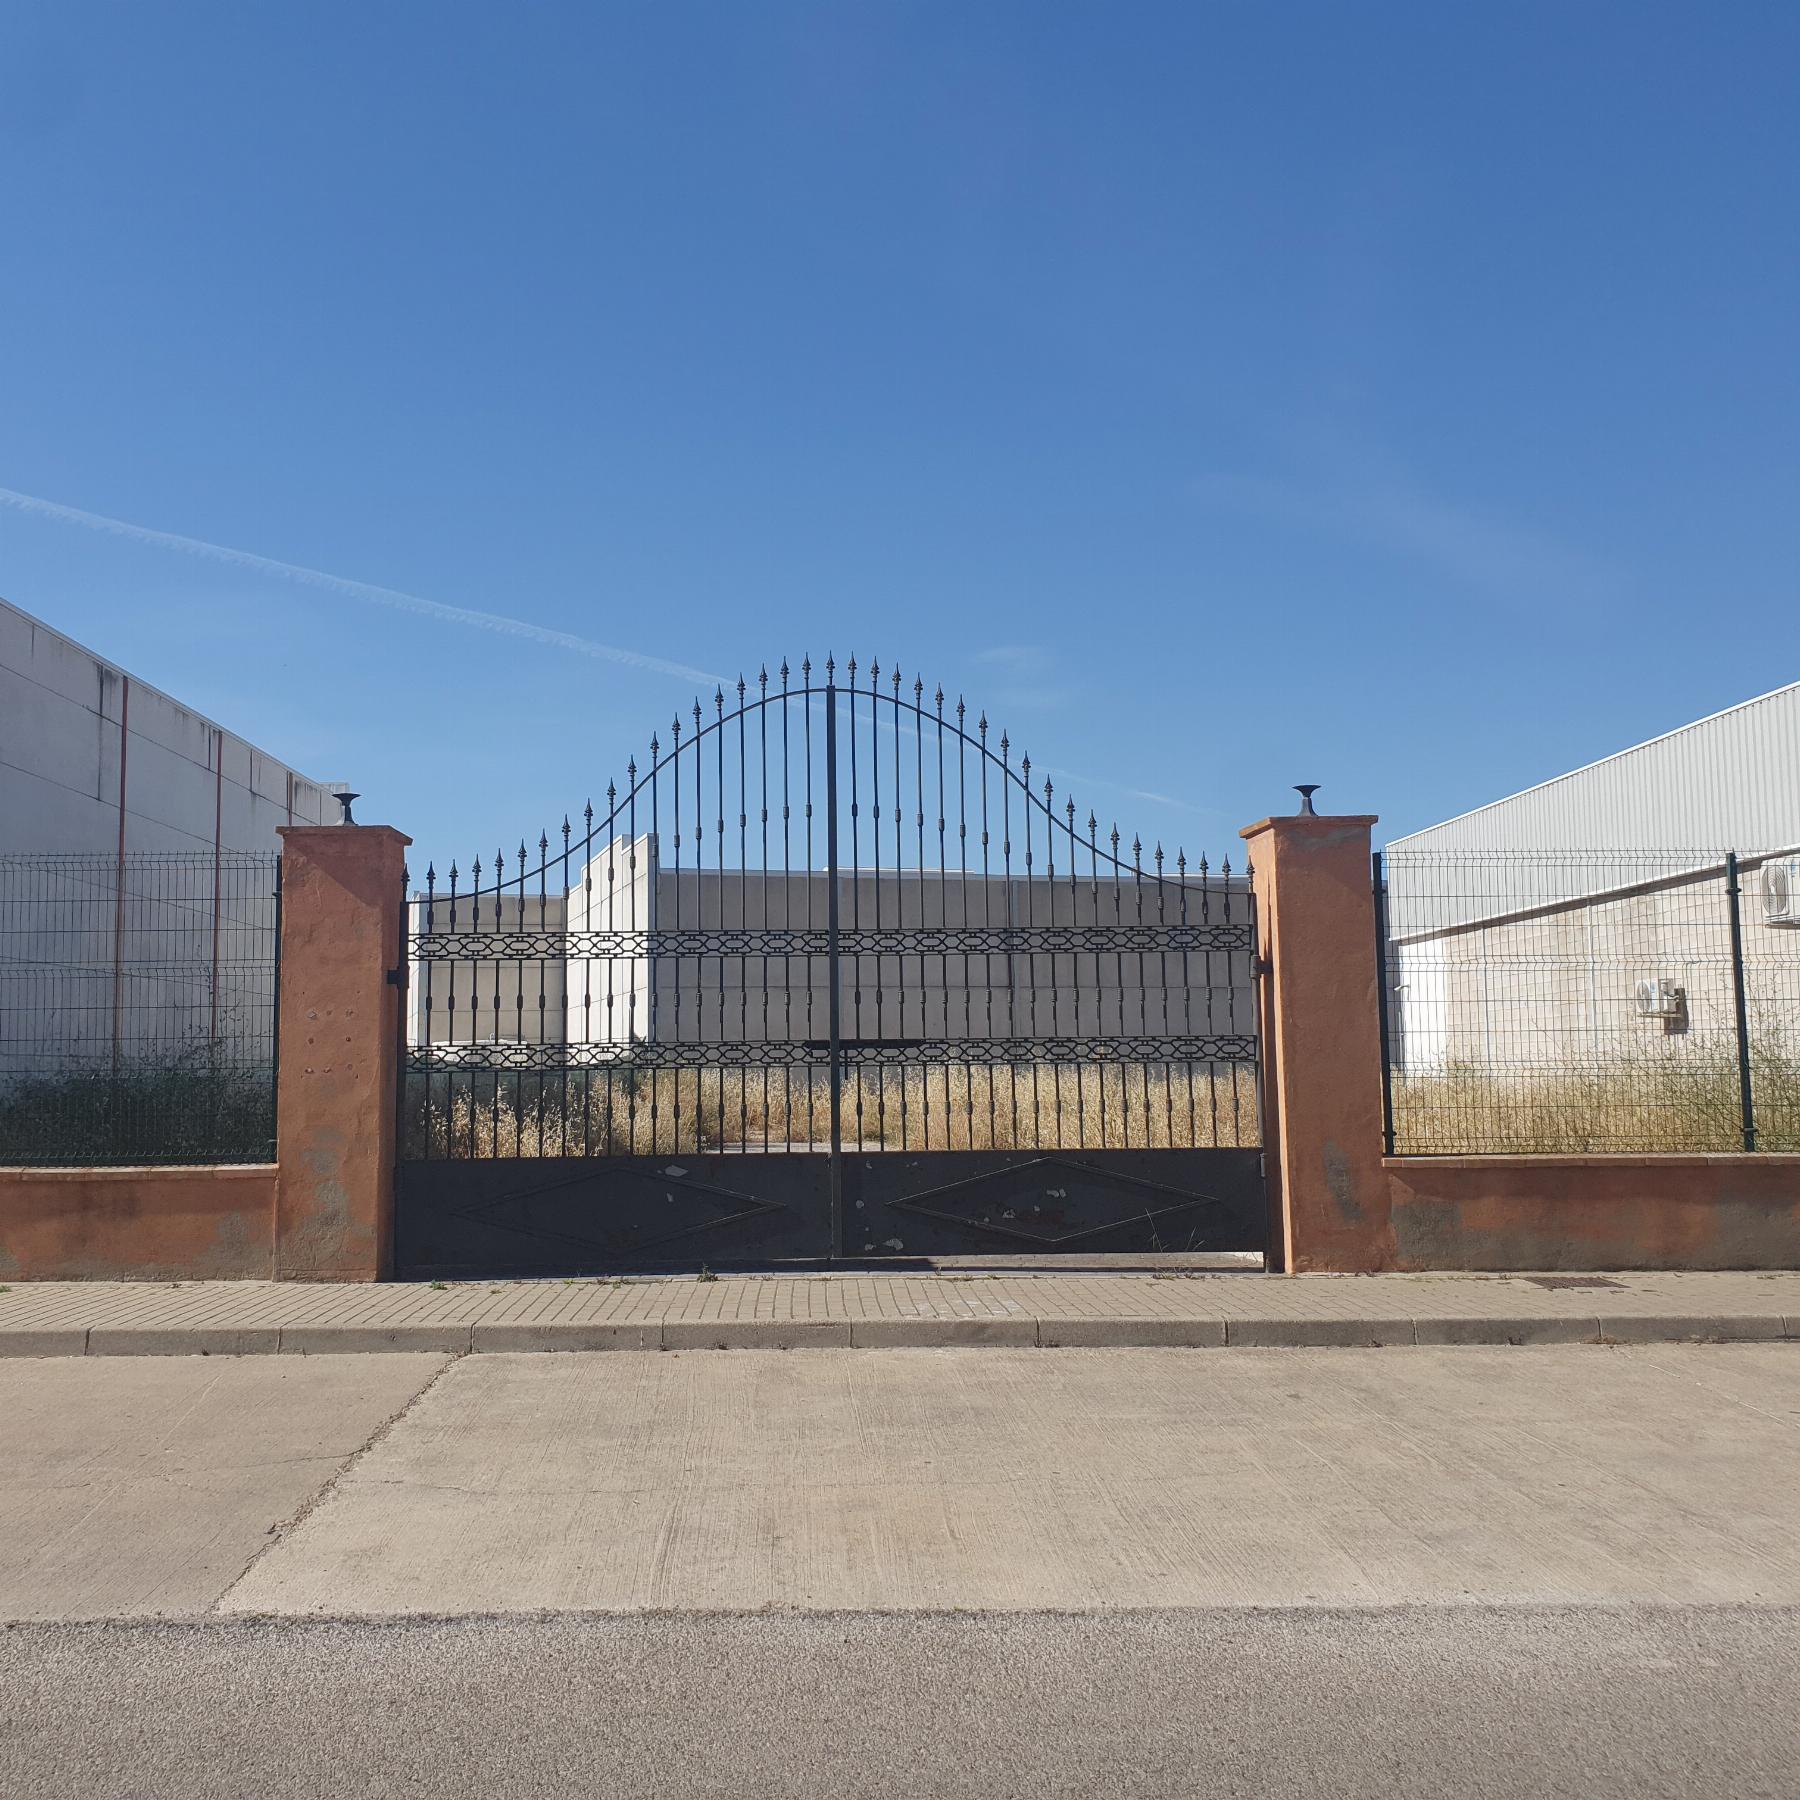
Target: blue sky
{"x":1400,"y":397}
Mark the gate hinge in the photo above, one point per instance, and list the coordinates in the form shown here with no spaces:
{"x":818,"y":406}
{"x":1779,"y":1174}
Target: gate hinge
{"x":397,"y":977}
{"x":1261,"y":965}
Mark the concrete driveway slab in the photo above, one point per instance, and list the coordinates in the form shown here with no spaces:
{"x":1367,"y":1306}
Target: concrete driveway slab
{"x":1089,"y":1480}
{"x":142,"y":1487}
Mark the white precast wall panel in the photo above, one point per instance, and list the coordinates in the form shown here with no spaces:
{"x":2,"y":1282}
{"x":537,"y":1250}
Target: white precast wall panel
{"x":187,"y":782}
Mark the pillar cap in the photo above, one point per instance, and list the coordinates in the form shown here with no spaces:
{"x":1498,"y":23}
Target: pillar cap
{"x":1311,"y":824}
{"x":348,"y":833}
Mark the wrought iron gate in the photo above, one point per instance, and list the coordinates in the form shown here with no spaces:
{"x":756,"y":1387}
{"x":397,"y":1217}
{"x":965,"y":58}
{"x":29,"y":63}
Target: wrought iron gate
{"x":829,"y":977}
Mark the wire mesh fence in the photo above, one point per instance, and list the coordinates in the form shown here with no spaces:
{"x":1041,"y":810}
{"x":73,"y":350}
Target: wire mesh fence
{"x":137,"y":1008}
{"x":1590,"y":1002}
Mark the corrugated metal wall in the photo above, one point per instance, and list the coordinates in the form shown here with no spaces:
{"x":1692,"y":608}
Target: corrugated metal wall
{"x":1731,"y":782}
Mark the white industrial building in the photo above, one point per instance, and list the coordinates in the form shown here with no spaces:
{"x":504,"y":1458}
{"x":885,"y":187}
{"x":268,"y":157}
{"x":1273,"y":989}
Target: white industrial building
{"x":137,"y":839}
{"x":1587,"y":919}
{"x":93,"y":760}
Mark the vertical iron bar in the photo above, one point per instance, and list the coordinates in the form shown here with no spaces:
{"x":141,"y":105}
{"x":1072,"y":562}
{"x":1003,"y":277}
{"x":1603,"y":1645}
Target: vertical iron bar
{"x":962,"y":862}
{"x":1099,"y":988}
{"x":943,"y":914}
{"x":1382,"y":990}
{"x":831,"y":961}
{"x":275,"y":1034}
{"x":640,"y":964}
{"x":899,"y":907}
{"x":1740,"y":1004}
{"x":805,"y":758}
{"x":212,"y":1032}
{"x":855,"y":895}
{"x":875,"y":873}
{"x":403,"y":971}
{"x":762,"y":770}
{"x":787,"y":920}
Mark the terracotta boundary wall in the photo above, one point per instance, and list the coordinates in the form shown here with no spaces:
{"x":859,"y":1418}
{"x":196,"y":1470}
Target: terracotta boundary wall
{"x":324,"y":1210}
{"x":164,"y":1224}
{"x":1595,"y":1212}
{"x":1339,"y":1205}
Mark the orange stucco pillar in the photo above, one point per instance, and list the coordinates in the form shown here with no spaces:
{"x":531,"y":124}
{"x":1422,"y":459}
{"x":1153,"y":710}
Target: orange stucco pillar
{"x":1321,"y":1043}
{"x":336,"y":1099}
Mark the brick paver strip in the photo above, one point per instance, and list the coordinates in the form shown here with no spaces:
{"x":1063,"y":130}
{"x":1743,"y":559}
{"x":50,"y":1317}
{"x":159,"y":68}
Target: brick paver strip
{"x":779,"y":1311}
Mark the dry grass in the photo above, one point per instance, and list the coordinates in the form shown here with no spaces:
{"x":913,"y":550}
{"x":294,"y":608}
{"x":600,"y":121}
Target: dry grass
{"x":1618,"y":1104}
{"x":664,"y":1112}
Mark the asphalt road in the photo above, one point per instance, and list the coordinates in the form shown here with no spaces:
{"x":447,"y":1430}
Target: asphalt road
{"x":1458,"y":1701}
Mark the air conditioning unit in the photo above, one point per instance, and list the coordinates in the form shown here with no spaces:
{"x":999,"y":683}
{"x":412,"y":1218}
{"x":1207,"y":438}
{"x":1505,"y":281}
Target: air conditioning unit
{"x":1781,"y":892}
{"x":1657,"y":999}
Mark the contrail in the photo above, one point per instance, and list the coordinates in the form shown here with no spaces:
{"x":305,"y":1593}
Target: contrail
{"x":356,"y":590}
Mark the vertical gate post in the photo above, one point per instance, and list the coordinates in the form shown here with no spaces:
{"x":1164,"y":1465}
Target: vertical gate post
{"x":1321,"y":1045}
{"x":342,"y":910}
{"x":834,"y":1005}
{"x":1740,"y":1011}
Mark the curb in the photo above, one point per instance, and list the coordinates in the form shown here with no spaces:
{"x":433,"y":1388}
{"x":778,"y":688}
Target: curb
{"x":1018,"y":1332}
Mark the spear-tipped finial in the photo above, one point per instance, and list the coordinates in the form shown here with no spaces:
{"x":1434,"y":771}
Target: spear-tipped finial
{"x":612,"y":787}
{"x":918,"y":686}
{"x":938,"y":697}
{"x":762,"y":678}
{"x":1159,"y":856}
{"x":1225,"y":868}
{"x":896,"y":679}
{"x":962,"y":708}
{"x":981,"y":724}
{"x":430,"y":874}
{"x":544,"y":840}
{"x":830,"y":668}
{"x":1180,"y":862}
{"x":1070,"y":810}
{"x":1093,"y":823}
{"x":784,"y":671}
{"x":874,"y":672}
{"x":453,"y":871}
{"x":740,"y":687}
{"x":1049,"y":791}
{"x":1306,"y":790}
{"x":850,"y":670}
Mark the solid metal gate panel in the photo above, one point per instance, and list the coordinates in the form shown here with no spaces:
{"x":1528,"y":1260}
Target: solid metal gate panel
{"x":590,"y":1215}
{"x":828,"y":977}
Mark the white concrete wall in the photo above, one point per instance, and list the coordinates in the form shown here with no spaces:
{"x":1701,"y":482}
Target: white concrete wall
{"x":81,"y":741}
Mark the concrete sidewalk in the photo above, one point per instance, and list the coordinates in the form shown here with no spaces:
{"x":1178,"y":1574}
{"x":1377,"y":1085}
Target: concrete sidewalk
{"x":870,"y":1311}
